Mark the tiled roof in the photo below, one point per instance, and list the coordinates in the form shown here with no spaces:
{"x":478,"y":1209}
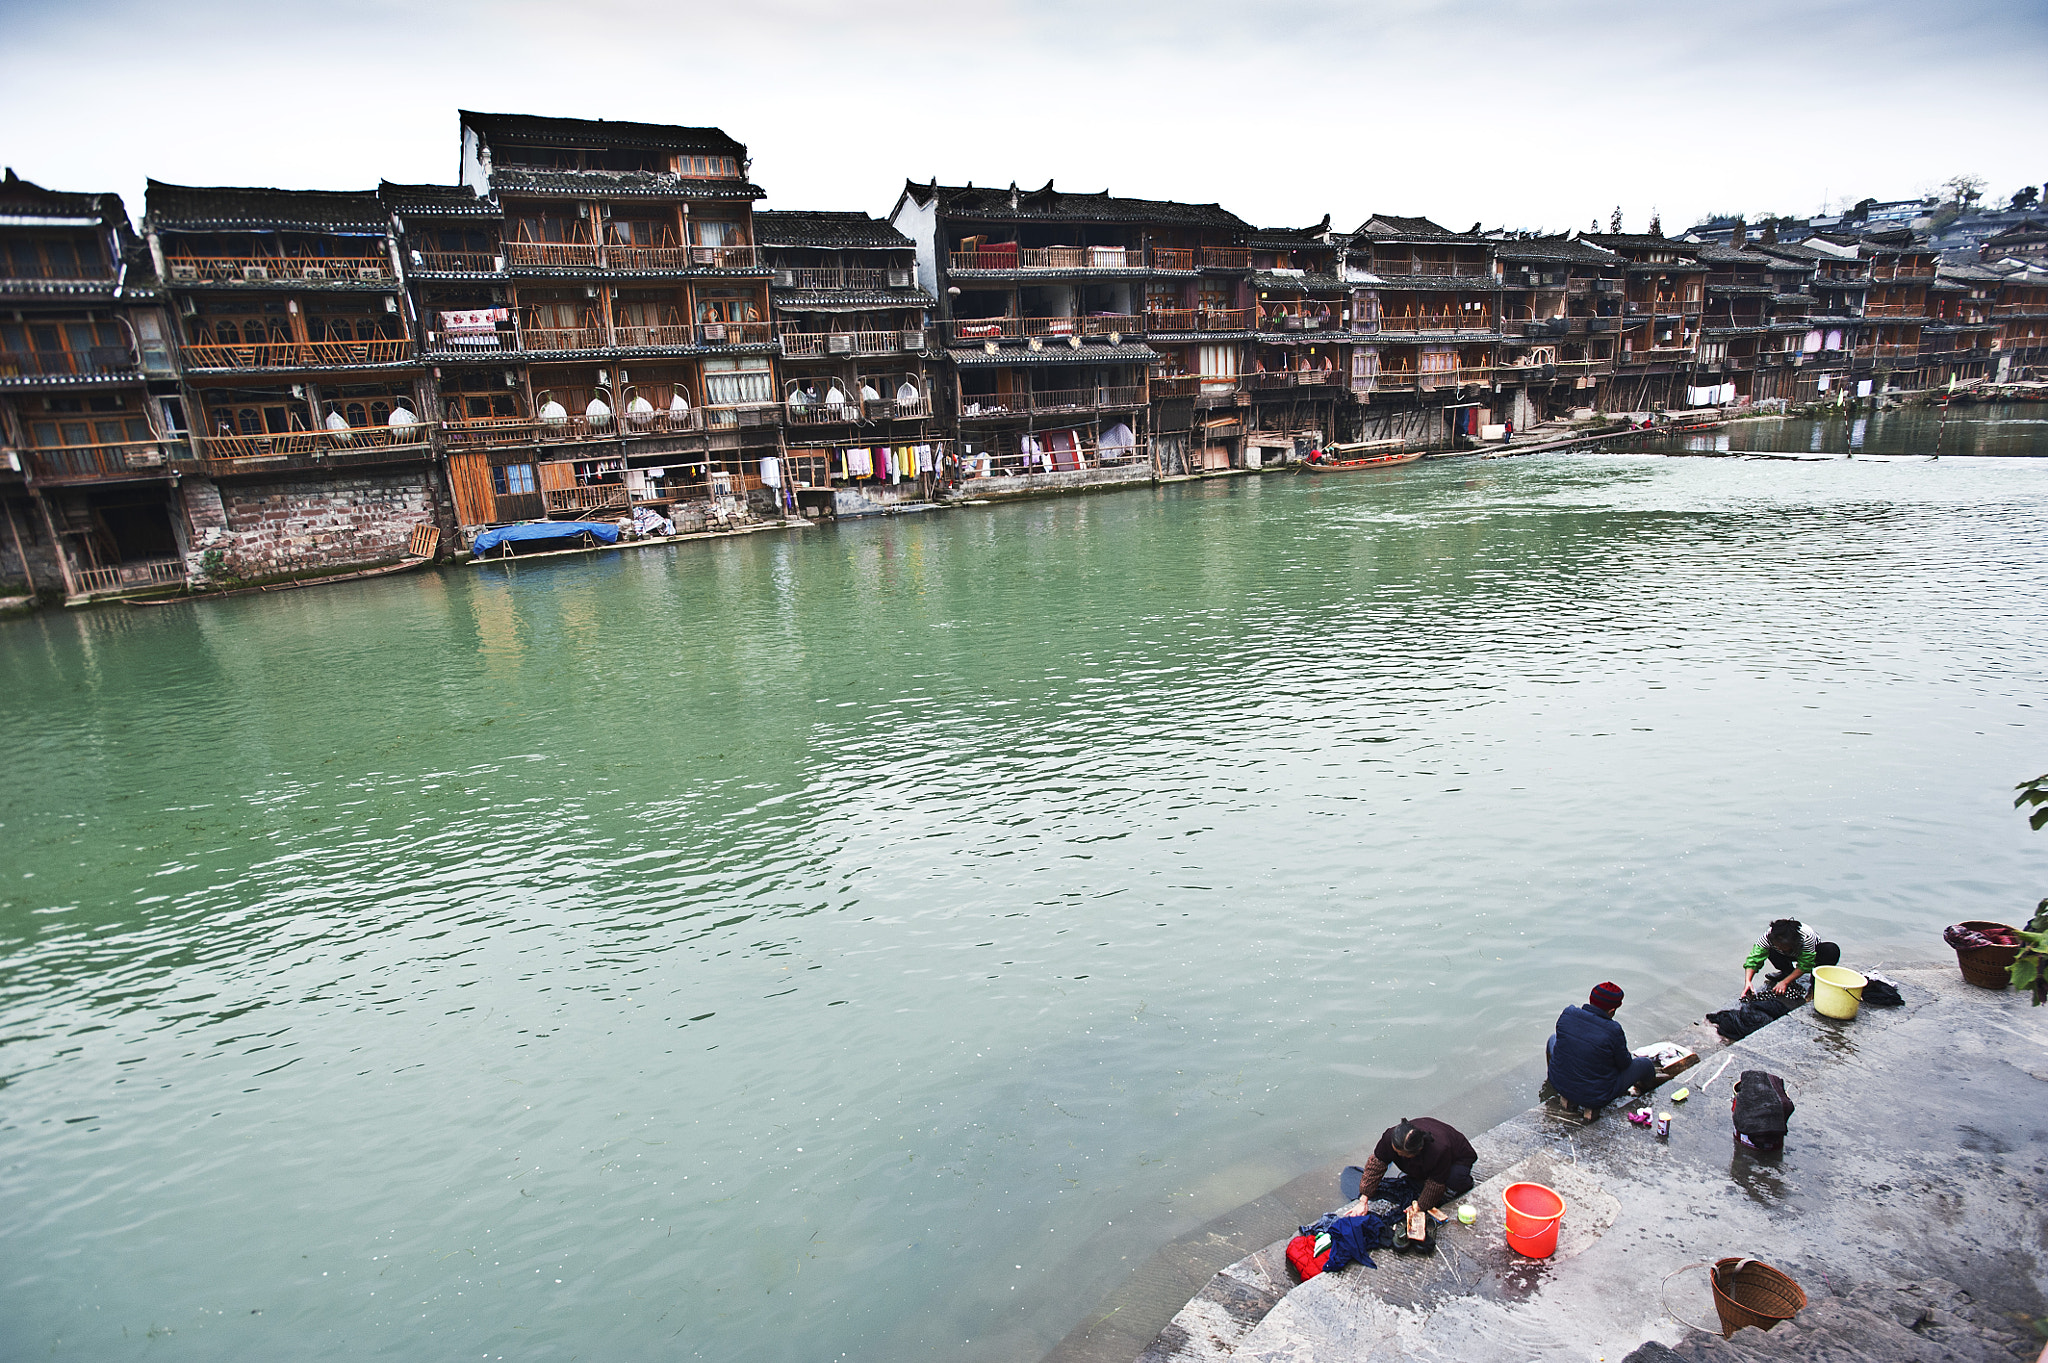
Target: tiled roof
{"x":1127,"y":353}
{"x":1565,"y":249}
{"x":1054,"y":205}
{"x":598,"y":132}
{"x":1291,"y":238}
{"x":192,"y":208}
{"x":1387,"y":227}
{"x":1636,"y":241}
{"x":1297,"y":279}
{"x":826,"y":231}
{"x":435,"y":201}
{"x":21,"y":198}
{"x":619,"y":184}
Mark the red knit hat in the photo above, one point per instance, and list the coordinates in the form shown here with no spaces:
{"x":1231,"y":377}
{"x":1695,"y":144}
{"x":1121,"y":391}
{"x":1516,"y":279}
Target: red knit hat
{"x":1606,"y":996}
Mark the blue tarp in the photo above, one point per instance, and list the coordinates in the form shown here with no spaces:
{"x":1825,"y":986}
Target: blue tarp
{"x":600,"y":531}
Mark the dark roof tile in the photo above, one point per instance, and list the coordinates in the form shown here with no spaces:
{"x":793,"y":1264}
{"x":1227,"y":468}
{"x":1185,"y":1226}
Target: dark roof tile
{"x":598,"y":132}
{"x":826,"y":231}
{"x":224,"y":208}
{"x":1053,"y":205}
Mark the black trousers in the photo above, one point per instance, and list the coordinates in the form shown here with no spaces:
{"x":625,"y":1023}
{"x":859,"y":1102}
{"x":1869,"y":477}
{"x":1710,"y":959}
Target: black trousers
{"x":1459,"y":1180}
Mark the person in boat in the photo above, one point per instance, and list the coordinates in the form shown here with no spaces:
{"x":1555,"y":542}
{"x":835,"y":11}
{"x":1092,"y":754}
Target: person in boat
{"x":1791,"y":949}
{"x":1434,"y":1156}
{"x":1590,"y":1062}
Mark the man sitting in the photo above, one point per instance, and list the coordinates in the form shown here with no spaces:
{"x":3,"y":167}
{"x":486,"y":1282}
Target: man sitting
{"x":1590,"y":1062}
{"x":1791,"y":948}
{"x":1433,"y":1155}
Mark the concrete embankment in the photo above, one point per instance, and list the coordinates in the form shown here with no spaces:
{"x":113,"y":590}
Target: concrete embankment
{"x":1908,"y":1203}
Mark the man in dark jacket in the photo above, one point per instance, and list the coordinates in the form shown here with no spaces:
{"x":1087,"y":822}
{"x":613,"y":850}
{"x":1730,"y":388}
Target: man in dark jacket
{"x":1434,"y":1155}
{"x":1590,"y":1062}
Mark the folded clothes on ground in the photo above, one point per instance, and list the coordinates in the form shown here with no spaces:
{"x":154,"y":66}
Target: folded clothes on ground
{"x":1754,"y":1012}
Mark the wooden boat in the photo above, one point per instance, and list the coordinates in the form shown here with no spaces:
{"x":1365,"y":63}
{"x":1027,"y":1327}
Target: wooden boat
{"x":404,"y":565}
{"x":1345,"y":463}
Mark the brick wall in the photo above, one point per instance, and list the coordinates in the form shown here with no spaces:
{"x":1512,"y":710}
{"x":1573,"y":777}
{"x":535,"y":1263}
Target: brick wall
{"x":293,"y":525}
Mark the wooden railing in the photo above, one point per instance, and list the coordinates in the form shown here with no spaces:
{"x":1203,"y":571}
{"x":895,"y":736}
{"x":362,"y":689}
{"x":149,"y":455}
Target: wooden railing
{"x":479,"y":342}
{"x":99,"y":359}
{"x":1400,"y":380}
{"x":734,"y":333}
{"x":897,"y":409}
{"x":296,"y":354}
{"x":127,"y":576}
{"x":1310,"y":318}
{"x":828,"y":277}
{"x":1895,"y":310}
{"x":1452,"y":268}
{"x":1198,"y":319}
{"x":1101,"y":324}
{"x":1176,"y":386}
{"x":474,"y":432}
{"x":323,"y":442}
{"x":1226,"y":258}
{"x":807,"y":413}
{"x":272,"y":269}
{"x":1055,"y":400}
{"x":647,"y":257}
{"x":2020,"y":309}
{"x":1893,"y":351}
{"x":594,"y":497}
{"x":458,"y":262}
{"x":551,"y":255}
{"x":1173,"y":258}
{"x":1881,"y":272}
{"x":677,"y":334}
{"x":56,"y":463}
{"x":800,"y":344}
{"x":563,"y":338}
{"x":1437,"y":321}
{"x":725,"y":257}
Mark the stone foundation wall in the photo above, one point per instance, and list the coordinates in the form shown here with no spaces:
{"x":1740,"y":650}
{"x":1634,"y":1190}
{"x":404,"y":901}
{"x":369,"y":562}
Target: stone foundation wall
{"x":1032,"y":485}
{"x":36,"y":546}
{"x":338,"y":521}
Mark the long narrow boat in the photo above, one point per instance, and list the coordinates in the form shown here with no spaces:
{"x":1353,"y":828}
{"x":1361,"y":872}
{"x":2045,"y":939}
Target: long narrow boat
{"x":404,"y":565}
{"x":1364,"y":461}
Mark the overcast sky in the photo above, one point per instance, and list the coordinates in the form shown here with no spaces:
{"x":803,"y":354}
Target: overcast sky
{"x":1545,"y":114}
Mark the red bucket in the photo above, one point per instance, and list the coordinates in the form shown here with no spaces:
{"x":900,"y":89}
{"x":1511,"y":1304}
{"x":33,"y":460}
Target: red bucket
{"x":1533,"y":1214}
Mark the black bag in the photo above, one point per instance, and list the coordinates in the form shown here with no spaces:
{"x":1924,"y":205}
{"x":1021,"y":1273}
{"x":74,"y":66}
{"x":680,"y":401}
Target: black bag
{"x":1882,"y":992}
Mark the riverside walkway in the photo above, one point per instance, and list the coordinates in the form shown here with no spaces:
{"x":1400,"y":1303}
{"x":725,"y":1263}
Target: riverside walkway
{"x":1906,"y":1204}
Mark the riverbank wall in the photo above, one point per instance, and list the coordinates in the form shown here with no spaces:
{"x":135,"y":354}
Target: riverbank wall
{"x":1906,"y":1204}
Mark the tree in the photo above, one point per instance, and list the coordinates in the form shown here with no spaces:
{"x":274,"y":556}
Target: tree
{"x":1614,"y":220}
{"x":1656,"y":223}
{"x":1594,"y":226}
{"x":2027,"y":198}
{"x":1964,"y":189}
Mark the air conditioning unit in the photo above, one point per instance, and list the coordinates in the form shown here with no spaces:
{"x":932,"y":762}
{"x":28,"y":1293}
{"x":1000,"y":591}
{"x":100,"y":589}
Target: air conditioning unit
{"x":785,"y":279}
{"x":714,"y":333}
{"x":839,"y":344}
{"x":899,"y":279}
{"x":255,"y":272}
{"x":913,"y":340}
{"x":145,"y":459}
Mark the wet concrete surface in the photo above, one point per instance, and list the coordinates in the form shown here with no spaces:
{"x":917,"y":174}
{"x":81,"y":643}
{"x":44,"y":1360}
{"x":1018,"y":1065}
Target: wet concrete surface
{"x":1916,"y":1165}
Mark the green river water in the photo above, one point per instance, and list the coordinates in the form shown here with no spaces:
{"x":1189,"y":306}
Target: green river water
{"x":875,"y":941}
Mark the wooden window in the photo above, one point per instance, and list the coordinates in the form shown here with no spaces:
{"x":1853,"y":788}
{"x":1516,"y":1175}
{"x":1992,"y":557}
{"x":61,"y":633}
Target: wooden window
{"x":738,"y":380}
{"x":512,"y":480}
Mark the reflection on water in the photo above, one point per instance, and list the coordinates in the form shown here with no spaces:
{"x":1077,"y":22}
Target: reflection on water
{"x":1963,"y":430}
{"x":876,"y":941}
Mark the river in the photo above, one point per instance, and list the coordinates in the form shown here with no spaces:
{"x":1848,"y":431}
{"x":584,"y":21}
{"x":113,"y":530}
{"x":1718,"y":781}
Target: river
{"x":874,"y":941}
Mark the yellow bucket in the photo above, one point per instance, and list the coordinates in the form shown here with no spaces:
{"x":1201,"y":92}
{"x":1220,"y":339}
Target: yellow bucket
{"x":1837,"y":991}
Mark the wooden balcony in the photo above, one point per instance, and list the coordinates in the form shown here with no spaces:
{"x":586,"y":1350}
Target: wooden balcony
{"x":594,"y":497}
{"x":1461,"y":269}
{"x":833,"y":279}
{"x":647,"y":257}
{"x":1175,"y":386}
{"x":266,"y":270}
{"x":551,"y":255}
{"x":725,"y":258}
{"x":806,"y":413}
{"x":458,"y":262}
{"x":1915,"y":310}
{"x":1198,"y":319}
{"x":297,"y":354}
{"x":1226,"y":258}
{"x":735,"y":333}
{"x":1312,"y":318}
{"x":1880,"y":270}
{"x":1438,"y":321}
{"x":71,"y":463}
{"x":1005,"y":256}
{"x":897,"y":409}
{"x":1173,"y":258}
{"x":1893,"y":351}
{"x":675,"y":336}
{"x":279,"y":447}
{"x":563,"y":338}
{"x":1099,"y":324}
{"x":824,"y":344}
{"x":1420,"y":380}
{"x":111,"y":360}
{"x":989,"y":406}
{"x":486,"y":432}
